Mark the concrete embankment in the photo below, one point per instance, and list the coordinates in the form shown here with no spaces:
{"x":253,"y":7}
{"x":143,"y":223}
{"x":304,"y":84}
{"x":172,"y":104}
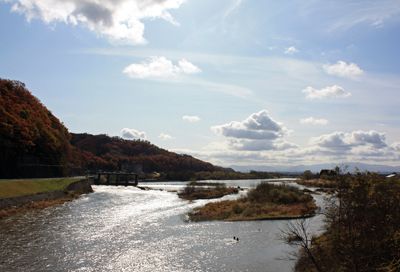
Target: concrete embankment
{"x":13,"y":205}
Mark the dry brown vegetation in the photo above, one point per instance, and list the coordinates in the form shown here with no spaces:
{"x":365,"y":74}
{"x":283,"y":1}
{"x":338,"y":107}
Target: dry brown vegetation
{"x":266,"y":201}
{"x":323,"y":183}
{"x":362,"y":228}
{"x":194,"y":191}
{"x":36,"y":205}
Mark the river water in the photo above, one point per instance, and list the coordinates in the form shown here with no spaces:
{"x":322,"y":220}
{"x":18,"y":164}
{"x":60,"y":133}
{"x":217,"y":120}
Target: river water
{"x":128,"y":229}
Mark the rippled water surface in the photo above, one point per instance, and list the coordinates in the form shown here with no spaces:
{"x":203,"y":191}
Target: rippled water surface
{"x":128,"y":229}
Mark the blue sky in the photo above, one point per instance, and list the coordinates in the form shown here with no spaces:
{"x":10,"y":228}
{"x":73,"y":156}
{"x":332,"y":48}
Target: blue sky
{"x":235,"y":82}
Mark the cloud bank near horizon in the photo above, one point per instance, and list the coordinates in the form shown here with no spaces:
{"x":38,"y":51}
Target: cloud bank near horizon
{"x":260,"y":140}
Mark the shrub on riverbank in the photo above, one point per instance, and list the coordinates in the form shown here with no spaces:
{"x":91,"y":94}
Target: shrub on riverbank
{"x":363,"y":232}
{"x":266,"y":201}
{"x":195,"y":190}
{"x":322,"y":183}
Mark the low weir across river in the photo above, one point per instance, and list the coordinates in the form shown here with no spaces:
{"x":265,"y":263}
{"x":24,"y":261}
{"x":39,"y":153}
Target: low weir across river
{"x":116,"y":178}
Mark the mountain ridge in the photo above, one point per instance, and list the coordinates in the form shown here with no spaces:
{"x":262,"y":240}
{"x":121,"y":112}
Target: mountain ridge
{"x":351,"y":166}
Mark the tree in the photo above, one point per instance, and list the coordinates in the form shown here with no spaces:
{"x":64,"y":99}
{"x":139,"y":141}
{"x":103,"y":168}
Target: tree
{"x":307,"y":175}
{"x":297,"y":234}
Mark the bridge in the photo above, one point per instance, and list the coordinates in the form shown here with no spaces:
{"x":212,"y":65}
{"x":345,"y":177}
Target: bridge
{"x":116,"y":178}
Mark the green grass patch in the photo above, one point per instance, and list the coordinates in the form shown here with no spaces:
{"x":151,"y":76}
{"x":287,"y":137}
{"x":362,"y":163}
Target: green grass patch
{"x":22,"y":187}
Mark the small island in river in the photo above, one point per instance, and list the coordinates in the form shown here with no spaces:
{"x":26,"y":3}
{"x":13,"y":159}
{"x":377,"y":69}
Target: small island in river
{"x":266,"y":201}
{"x":206,"y":190}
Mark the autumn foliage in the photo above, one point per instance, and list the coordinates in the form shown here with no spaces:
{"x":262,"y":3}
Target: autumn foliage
{"x":34,"y":143}
{"x":101,"y":152}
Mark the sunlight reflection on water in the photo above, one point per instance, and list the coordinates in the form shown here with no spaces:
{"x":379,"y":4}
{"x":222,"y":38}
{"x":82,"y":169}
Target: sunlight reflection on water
{"x":128,"y":229}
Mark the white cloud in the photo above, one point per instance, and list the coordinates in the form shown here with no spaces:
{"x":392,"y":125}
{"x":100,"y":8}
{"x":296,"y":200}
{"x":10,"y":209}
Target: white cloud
{"x":262,"y":144}
{"x":396,"y":146}
{"x":335,"y":148}
{"x":165,"y":137}
{"x":133,"y":134}
{"x":341,"y":141}
{"x":257,"y":132}
{"x":118,"y":20}
{"x":291,"y":50}
{"x":160,"y":67}
{"x":343,"y":69}
{"x":314,"y":121}
{"x":187,"y":67}
{"x":191,"y":118}
{"x":257,"y":126}
{"x":327,"y":92}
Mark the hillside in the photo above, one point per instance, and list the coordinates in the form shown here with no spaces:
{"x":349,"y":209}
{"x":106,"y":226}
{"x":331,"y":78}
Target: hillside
{"x":34,"y":143}
{"x":114,"y":153}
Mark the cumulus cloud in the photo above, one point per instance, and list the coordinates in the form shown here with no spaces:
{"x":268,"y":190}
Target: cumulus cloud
{"x":160,"y":67}
{"x":133,"y":134}
{"x":327,"y":92}
{"x":291,"y":50}
{"x":118,"y":20}
{"x":165,"y":137}
{"x":396,"y":146}
{"x":341,"y":141}
{"x":314,"y":121}
{"x":191,"y":118}
{"x":187,"y":67}
{"x":343,"y":69}
{"x":337,"y":147}
{"x":257,"y":132}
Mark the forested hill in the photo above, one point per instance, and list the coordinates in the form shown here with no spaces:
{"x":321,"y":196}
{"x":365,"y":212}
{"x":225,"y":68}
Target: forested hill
{"x":114,"y":153}
{"x":34,"y":143}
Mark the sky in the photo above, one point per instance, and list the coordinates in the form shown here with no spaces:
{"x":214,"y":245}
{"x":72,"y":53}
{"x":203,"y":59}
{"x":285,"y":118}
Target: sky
{"x":233,"y":82}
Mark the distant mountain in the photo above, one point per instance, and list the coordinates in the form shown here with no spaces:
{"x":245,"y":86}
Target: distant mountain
{"x":34,"y":143}
{"x":351,"y":166}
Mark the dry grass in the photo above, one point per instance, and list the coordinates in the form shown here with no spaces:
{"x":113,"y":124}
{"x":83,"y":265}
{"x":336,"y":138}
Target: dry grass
{"x":265,"y":202}
{"x":192,"y":193}
{"x":36,"y":205}
{"x":323,"y":183}
{"x":240,"y":210}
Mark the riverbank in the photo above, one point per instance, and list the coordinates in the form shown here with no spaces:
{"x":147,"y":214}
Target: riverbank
{"x":18,"y":196}
{"x":362,"y":228}
{"x":265,"y":202}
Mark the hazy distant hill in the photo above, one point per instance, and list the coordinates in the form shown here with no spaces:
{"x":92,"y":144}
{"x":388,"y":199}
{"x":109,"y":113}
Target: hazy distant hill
{"x":352,"y":166}
{"x":34,"y":143}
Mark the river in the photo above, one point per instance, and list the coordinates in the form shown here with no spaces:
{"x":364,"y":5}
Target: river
{"x":128,"y":229}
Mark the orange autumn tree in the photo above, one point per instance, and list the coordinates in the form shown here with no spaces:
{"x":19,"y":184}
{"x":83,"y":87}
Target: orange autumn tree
{"x":33,"y":142}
